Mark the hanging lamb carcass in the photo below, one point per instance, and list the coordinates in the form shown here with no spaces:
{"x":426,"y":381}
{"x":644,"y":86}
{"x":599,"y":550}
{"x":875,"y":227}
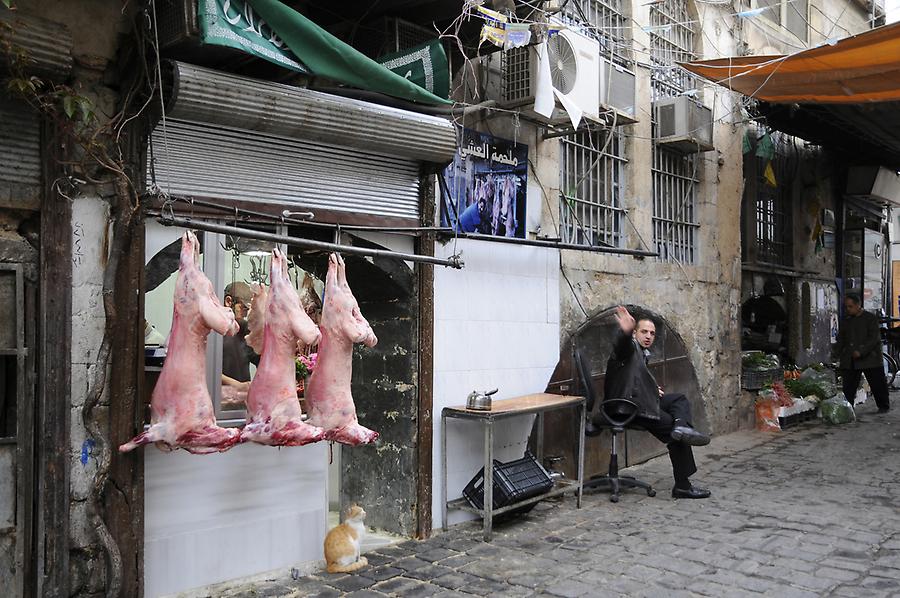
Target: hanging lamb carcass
{"x":182,"y":414}
{"x":274,"y":416}
{"x":328,"y":397}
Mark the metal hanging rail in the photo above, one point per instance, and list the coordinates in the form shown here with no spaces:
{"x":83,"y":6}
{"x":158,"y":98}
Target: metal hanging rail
{"x":557,"y":245}
{"x":452,"y":262}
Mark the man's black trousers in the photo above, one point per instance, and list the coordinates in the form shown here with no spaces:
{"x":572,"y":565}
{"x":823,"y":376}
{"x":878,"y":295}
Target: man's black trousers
{"x":672,"y":407}
{"x":877,"y":383}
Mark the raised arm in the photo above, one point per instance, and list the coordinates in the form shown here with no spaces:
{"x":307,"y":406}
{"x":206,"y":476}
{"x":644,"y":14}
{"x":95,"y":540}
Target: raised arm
{"x":624,"y":343}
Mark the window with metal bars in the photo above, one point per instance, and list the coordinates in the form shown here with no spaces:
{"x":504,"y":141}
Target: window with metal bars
{"x":591,"y":174}
{"x":592,"y":161}
{"x":771,"y":216}
{"x":675,"y":218}
{"x":606,"y":22}
{"x":792,"y":15}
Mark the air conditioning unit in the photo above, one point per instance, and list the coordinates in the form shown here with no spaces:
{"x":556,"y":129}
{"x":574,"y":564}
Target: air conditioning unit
{"x":178,"y":28}
{"x":683,"y":124}
{"x":617,"y":91}
{"x":574,"y":70}
{"x":875,"y":183}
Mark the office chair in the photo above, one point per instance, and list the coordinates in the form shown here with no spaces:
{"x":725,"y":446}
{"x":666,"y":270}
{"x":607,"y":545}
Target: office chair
{"x":616,"y":416}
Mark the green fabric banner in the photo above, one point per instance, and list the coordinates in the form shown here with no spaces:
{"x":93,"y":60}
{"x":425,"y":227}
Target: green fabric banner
{"x":425,"y":65}
{"x":327,"y":56}
{"x":233,"y":23}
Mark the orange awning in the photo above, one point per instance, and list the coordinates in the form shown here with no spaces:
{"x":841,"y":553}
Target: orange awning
{"x":858,"y":69}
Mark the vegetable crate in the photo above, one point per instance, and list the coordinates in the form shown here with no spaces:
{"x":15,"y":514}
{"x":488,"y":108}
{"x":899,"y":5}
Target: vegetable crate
{"x":756,"y":379}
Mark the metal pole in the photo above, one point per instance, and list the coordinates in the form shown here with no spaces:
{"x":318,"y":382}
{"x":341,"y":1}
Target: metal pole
{"x":444,"y":524}
{"x":452,"y":262}
{"x":558,"y":245}
{"x":488,"y":506}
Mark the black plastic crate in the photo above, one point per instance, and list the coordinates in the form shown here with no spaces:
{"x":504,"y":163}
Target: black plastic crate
{"x":796,"y":418}
{"x":513,"y":481}
{"x":757,"y":379}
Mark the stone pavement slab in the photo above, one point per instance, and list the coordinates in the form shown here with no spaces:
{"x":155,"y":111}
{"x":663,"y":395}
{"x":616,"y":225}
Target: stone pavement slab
{"x":810,"y":511}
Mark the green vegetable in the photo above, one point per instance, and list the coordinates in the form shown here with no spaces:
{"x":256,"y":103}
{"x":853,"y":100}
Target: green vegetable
{"x":804,"y":388}
{"x":757,"y":360}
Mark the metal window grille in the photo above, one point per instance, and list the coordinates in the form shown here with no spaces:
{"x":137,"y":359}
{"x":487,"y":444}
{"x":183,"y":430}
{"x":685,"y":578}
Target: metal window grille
{"x":516,"y":67}
{"x":675,"y":221}
{"x":772,"y":204}
{"x":771,"y":219}
{"x":591,"y":210}
{"x":606,"y":22}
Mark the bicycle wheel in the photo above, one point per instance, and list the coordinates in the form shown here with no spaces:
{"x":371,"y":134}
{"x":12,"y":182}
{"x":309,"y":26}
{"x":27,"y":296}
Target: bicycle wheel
{"x":890,"y":369}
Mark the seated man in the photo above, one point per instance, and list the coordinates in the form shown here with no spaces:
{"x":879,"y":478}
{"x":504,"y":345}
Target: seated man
{"x":666,"y":416}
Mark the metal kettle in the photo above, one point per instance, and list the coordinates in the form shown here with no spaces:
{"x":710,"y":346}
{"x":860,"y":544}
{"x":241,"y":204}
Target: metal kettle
{"x":480,"y":401}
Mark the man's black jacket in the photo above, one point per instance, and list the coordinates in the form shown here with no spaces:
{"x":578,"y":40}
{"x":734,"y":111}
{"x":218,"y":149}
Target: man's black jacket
{"x":859,"y":333}
{"x":627,"y":377}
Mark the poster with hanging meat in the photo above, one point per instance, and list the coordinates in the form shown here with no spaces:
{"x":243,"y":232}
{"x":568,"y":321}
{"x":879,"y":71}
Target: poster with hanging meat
{"x":486,"y":184}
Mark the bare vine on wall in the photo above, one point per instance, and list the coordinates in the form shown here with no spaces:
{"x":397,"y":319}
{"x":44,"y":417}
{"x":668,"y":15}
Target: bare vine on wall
{"x":93,"y":152}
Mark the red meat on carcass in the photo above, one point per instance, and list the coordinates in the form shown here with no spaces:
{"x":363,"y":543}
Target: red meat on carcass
{"x":182,"y":414}
{"x":328,"y":396}
{"x":273,"y":410}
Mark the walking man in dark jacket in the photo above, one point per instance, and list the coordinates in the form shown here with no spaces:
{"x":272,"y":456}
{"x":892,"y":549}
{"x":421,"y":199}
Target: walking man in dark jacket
{"x":665,"y":415}
{"x":858,"y":350}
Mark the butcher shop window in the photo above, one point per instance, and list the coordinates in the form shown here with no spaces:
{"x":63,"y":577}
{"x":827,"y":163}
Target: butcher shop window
{"x":591,"y":173}
{"x":234,"y":265}
{"x":675,"y":217}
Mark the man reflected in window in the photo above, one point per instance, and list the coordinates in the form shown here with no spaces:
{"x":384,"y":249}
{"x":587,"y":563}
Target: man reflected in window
{"x":236,"y":354}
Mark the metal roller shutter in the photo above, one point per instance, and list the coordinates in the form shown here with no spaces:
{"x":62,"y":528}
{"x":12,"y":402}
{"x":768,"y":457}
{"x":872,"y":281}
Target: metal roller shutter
{"x":202,"y":160}
{"x":20,"y":153}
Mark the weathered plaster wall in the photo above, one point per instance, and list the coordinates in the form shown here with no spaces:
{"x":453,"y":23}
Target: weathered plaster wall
{"x":89,"y":243}
{"x":828,"y":19}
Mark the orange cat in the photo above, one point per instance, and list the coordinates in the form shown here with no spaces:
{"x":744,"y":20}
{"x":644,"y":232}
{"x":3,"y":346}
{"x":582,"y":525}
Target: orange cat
{"x":343,"y":541}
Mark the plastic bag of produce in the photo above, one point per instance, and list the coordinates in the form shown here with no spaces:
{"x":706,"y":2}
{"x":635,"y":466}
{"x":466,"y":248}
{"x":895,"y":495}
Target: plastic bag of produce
{"x":818,"y":375}
{"x":837,"y":410}
{"x":767,"y":415}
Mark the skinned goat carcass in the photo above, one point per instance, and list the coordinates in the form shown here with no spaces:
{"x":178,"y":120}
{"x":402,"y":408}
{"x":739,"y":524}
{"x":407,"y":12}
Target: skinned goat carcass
{"x":328,"y":397}
{"x":182,"y":414}
{"x":273,"y":410}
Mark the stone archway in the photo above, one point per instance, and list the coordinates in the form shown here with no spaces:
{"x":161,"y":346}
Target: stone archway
{"x":669,"y":362}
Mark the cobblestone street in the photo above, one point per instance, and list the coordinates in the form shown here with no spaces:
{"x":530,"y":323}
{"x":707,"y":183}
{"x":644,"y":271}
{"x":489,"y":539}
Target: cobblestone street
{"x":811,"y":511}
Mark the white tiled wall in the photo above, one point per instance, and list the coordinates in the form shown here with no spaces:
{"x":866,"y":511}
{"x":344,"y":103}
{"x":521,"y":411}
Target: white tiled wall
{"x":496,"y":326}
{"x":211,"y":518}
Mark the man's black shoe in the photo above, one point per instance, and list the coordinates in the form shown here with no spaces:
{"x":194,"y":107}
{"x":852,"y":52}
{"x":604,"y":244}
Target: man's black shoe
{"x":883,"y":409}
{"x":692,"y":492}
{"x":689,"y":436}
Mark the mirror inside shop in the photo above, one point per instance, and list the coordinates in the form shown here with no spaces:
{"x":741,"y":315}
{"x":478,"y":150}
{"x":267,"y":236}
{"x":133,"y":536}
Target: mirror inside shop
{"x":236,"y":267}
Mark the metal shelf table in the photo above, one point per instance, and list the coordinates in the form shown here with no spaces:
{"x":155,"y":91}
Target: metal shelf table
{"x":500,"y":409}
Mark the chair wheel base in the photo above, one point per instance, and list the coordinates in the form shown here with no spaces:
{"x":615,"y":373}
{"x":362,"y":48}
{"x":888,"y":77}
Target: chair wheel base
{"x":615,"y":483}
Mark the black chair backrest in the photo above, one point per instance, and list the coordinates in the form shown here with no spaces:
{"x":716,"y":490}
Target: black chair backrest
{"x":584,"y":376}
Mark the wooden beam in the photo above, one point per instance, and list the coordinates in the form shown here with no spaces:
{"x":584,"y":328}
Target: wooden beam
{"x":425,"y":423}
{"x":54,"y":383}
{"x":123,"y":502}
